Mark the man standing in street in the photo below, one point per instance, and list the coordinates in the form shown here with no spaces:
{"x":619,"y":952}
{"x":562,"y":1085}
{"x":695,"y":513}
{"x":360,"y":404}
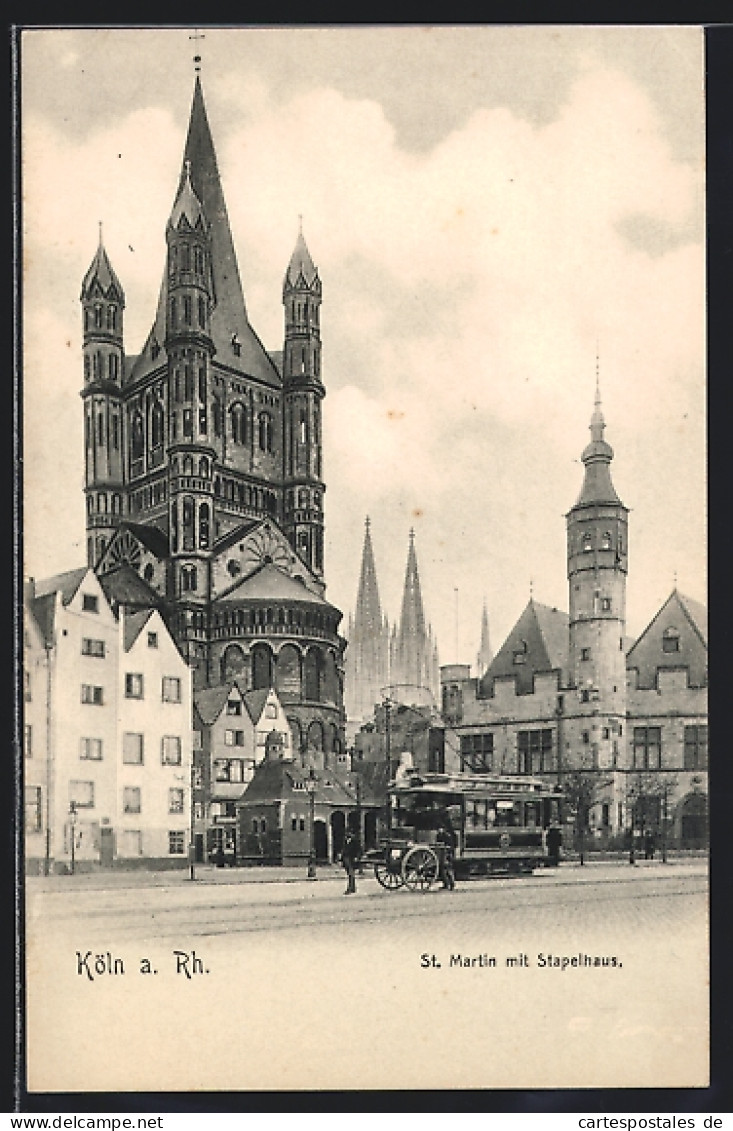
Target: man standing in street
{"x":350,"y":858}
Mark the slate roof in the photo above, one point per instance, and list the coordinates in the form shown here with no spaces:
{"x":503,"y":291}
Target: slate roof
{"x":268,"y":583}
{"x":274,"y":780}
{"x":541,"y":634}
{"x":255,"y":702}
{"x":125,"y":586}
{"x":229,"y":316}
{"x":133,"y":624}
{"x":210,"y":702}
{"x":152,"y":538}
{"x":64,"y":583}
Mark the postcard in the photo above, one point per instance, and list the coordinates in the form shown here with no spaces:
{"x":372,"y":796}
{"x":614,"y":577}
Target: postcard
{"x":365,"y":633}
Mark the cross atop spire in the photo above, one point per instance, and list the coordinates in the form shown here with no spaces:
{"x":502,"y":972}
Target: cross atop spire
{"x":197,"y":58}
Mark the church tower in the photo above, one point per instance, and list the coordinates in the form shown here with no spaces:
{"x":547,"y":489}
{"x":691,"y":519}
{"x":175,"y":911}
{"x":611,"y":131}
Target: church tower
{"x":367,"y":657}
{"x":103,"y":304}
{"x":302,"y":395}
{"x":190,"y":348}
{"x":414,"y":669}
{"x":597,"y":554}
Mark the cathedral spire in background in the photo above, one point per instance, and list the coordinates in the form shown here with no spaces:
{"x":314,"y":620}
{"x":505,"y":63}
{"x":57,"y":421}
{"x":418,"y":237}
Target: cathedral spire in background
{"x":485,"y":653}
{"x":413,"y":669}
{"x":367,"y":658}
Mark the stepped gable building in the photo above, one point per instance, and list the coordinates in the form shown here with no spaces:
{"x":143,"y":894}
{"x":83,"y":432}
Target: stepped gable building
{"x":203,"y":454}
{"x":414,"y":675}
{"x":367,"y":658}
{"x":570,"y":694}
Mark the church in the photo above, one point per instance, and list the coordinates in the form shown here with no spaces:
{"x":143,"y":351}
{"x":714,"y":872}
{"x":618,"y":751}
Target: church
{"x":203,"y":457}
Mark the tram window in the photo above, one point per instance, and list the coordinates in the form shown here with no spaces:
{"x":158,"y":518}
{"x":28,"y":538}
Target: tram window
{"x":505,"y":814}
{"x":479,"y":814}
{"x":532,"y":814}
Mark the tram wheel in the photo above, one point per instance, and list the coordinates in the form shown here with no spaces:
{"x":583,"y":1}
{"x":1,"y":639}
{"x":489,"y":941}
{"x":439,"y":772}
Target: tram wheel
{"x":388,"y":878}
{"x":420,"y":868}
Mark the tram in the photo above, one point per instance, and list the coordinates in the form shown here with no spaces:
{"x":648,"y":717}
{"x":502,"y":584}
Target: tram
{"x":488,"y":824}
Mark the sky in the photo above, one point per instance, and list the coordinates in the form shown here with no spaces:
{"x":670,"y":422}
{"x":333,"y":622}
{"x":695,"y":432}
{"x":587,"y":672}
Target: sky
{"x":498,"y":214}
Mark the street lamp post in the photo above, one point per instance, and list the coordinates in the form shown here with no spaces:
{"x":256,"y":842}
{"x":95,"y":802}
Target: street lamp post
{"x":388,"y":746}
{"x":632,"y":852}
{"x":192,"y":838}
{"x":310,"y":785}
{"x":72,"y":825}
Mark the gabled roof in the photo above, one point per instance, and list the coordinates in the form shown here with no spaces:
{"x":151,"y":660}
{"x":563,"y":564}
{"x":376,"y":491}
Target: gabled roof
{"x":125,"y":586}
{"x":278,"y":780}
{"x":255,"y":702}
{"x":210,"y":702}
{"x":42,"y":609}
{"x":229,"y":317}
{"x":687,"y":619}
{"x":151,"y":537}
{"x":133,"y":624}
{"x":541,"y":636}
{"x":236,"y":534}
{"x":66,"y":584}
{"x":268,"y":583}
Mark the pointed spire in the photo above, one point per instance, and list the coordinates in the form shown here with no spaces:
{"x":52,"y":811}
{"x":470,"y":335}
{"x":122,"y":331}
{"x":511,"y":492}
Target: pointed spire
{"x":229,"y":314}
{"x":301,"y":263}
{"x":101,"y":271}
{"x":413,"y":614}
{"x":368,"y":608}
{"x":187,"y":203}
{"x":485,"y":652}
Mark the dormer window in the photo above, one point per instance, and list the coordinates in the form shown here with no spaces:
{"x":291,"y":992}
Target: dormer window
{"x":606,"y":541}
{"x":587,"y":543}
{"x":236,"y":346}
{"x":520,"y":654}
{"x":671,"y":640}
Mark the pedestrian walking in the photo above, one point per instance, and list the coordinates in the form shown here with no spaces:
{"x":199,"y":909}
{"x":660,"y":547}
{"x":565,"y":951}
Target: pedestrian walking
{"x":350,"y":858}
{"x":447,"y":838}
{"x":649,"y":844}
{"x":554,"y":843}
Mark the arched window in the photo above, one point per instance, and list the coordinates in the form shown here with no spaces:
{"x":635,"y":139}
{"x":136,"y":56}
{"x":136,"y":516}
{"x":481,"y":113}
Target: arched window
{"x":202,"y":384}
{"x":198,"y":260}
{"x":265,"y":429}
{"x":239,"y":423}
{"x":98,"y":315}
{"x":101,"y":504}
{"x":90,"y":504}
{"x":188,"y":383}
{"x":313,"y":673}
{"x":187,"y":310}
{"x":174,"y":528}
{"x":204,"y":525}
{"x":186,"y":257}
{"x":303,"y":435}
{"x":203,"y":467}
{"x":189,"y":579}
{"x":113,"y":367}
{"x":111,"y":318}
{"x":156,"y":425}
{"x":174,"y":312}
{"x":188,"y":521}
{"x":216,"y":408}
{"x":261,"y":667}
{"x":100,"y":428}
{"x":87,"y":367}
{"x":202,"y":311}
{"x":138,"y":435}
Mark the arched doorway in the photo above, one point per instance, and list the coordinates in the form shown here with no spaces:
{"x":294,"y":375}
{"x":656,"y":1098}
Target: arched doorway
{"x":694,"y":821}
{"x":320,"y":836}
{"x":338,"y":830}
